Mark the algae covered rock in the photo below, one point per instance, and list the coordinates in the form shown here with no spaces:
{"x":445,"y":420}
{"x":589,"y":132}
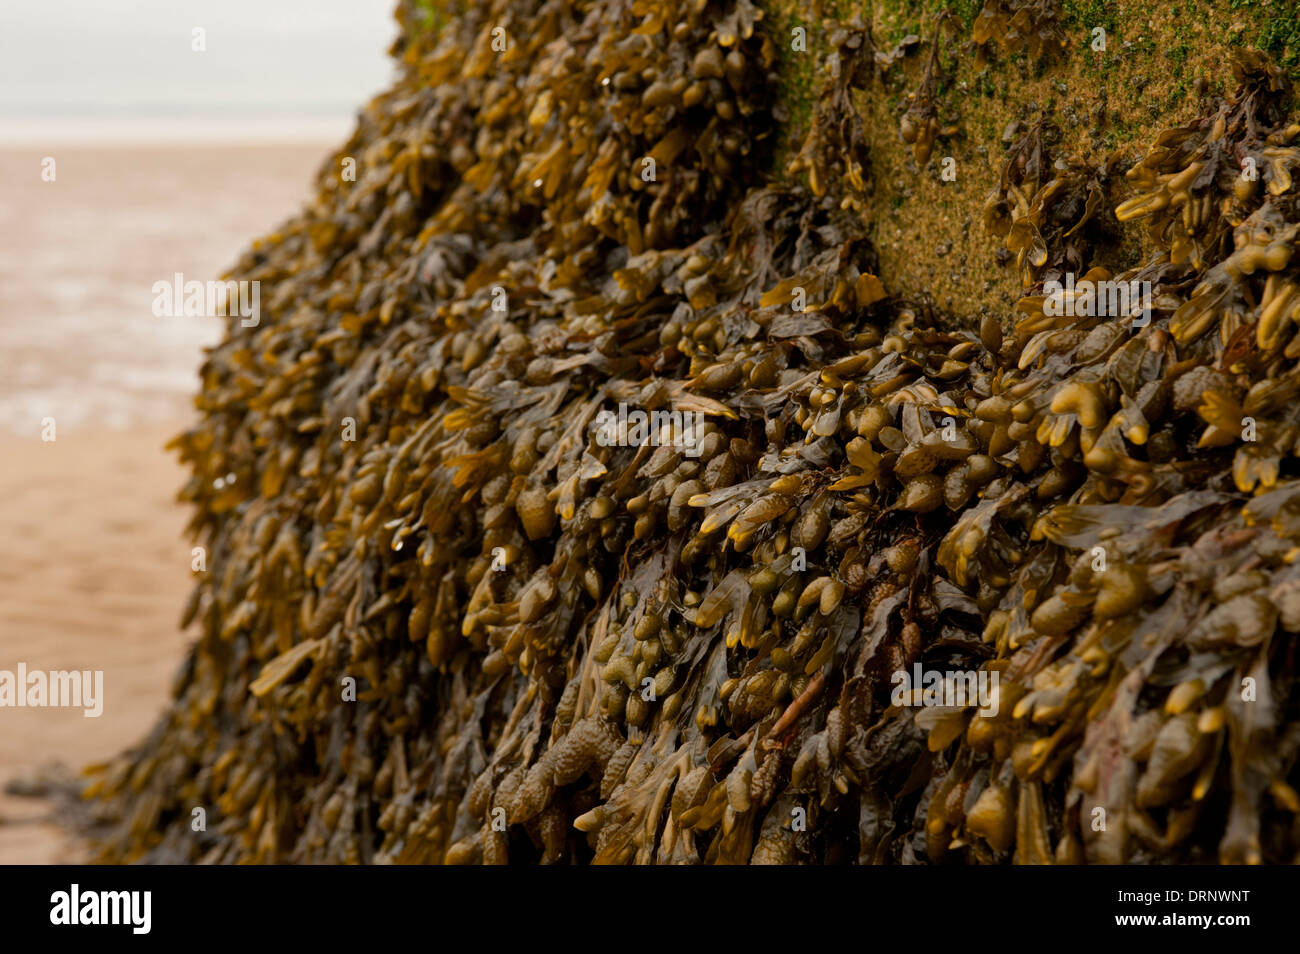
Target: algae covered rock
{"x":585,"y":495}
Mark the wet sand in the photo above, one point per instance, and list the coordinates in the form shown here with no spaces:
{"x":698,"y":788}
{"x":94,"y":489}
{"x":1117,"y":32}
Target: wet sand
{"x":94,"y":563}
{"x":79,"y":257}
{"x":94,"y":576}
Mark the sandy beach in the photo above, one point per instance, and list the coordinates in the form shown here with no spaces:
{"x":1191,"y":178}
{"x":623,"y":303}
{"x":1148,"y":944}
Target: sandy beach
{"x":95,"y":578}
{"x":94,"y":563}
{"x":79,"y":257}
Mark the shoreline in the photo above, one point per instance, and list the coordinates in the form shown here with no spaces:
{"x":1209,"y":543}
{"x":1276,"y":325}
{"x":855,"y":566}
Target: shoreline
{"x":18,"y":133}
{"x":84,"y":345}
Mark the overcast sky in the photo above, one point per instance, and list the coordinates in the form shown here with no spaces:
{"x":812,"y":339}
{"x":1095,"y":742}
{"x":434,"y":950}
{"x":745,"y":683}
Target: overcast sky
{"x":134,"y":57}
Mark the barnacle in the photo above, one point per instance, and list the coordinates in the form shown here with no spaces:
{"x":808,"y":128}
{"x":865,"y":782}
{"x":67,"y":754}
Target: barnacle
{"x":658,"y":648}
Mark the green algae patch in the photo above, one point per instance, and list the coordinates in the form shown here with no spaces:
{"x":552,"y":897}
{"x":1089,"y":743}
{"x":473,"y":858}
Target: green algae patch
{"x":1156,"y":69}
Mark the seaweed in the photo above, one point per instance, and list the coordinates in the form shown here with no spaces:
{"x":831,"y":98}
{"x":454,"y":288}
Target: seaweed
{"x":465,"y":606}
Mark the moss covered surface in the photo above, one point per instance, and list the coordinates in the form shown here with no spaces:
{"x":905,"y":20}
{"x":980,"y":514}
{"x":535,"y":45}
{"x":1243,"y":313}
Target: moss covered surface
{"x":1158,"y":63}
